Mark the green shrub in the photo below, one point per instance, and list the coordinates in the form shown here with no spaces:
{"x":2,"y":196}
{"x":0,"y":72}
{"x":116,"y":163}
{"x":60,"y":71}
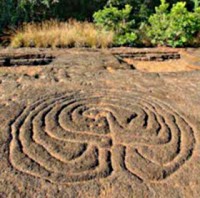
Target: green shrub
{"x":176,"y":27}
{"x":158,"y":24}
{"x":196,"y":4}
{"x":113,"y":19}
{"x":127,"y":38}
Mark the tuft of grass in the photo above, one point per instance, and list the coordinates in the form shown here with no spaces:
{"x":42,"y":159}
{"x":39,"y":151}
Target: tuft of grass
{"x":61,"y":34}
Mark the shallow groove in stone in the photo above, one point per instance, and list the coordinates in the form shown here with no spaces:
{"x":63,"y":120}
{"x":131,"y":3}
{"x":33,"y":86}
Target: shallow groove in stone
{"x":83,"y":136}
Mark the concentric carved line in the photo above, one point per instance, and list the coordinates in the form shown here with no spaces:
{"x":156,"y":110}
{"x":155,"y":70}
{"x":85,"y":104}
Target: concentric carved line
{"x":83,"y":136}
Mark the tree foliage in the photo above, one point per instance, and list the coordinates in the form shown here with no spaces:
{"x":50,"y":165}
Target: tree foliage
{"x":175,"y":27}
{"x":77,"y":9}
{"x":18,"y":11}
{"x":171,"y":22}
{"x":119,"y":21}
{"x":14,"y":12}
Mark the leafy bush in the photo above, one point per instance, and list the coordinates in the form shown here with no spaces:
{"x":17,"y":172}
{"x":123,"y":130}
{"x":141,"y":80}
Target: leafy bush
{"x":196,"y":4}
{"x":132,"y":21}
{"x":176,"y":27}
{"x":127,"y":38}
{"x":60,"y":34}
{"x":114,"y":19}
{"x":141,"y":9}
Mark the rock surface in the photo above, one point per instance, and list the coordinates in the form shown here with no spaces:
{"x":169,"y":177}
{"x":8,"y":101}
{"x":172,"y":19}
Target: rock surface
{"x":88,"y":126}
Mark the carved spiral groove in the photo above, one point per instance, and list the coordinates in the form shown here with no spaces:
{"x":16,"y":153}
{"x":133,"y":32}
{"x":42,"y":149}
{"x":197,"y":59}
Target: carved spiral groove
{"x":83,"y":136}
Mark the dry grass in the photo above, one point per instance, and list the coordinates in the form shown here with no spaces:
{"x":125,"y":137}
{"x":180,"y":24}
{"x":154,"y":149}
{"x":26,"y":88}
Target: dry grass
{"x":61,"y":34}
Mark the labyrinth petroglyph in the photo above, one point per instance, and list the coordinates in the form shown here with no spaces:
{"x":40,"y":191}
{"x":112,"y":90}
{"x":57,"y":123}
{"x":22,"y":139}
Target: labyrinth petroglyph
{"x":82,"y":136}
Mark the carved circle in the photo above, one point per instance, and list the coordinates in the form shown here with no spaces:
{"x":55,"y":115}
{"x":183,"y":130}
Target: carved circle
{"x":82,"y":136}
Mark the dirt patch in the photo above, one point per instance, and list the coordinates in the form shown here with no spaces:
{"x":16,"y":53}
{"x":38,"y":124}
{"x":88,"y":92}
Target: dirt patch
{"x":31,"y":70}
{"x":167,"y":66}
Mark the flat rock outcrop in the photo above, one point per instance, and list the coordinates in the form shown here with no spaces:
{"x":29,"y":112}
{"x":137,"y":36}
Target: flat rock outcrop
{"x":108,"y":130}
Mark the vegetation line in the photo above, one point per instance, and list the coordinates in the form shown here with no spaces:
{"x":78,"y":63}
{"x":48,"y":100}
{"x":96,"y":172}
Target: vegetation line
{"x":137,"y":23}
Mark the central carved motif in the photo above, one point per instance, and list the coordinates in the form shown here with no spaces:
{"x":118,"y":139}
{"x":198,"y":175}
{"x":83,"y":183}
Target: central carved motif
{"x":83,"y":136}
